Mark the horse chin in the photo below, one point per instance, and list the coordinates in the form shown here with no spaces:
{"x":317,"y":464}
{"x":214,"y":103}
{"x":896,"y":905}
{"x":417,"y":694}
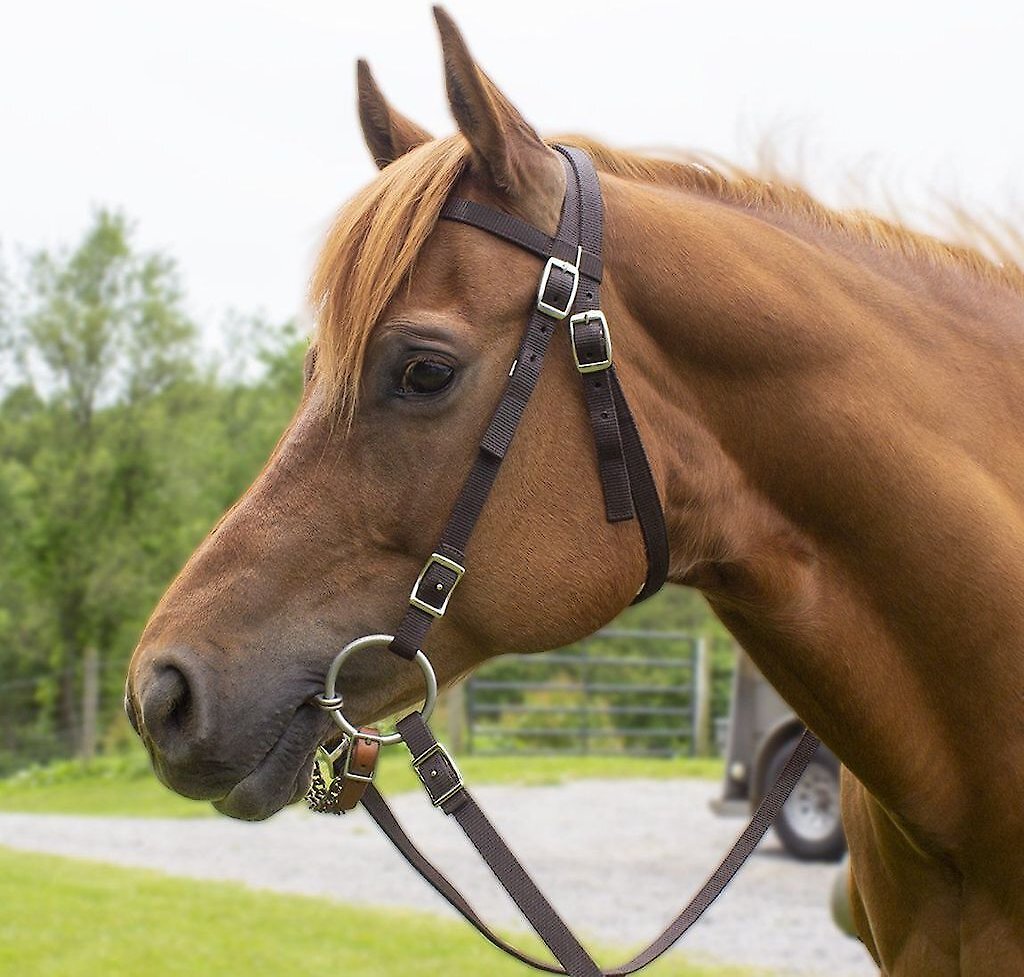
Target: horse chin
{"x":281,"y":778}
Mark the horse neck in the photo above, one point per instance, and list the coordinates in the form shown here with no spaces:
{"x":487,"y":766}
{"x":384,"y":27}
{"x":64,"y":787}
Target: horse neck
{"x":837,"y":436}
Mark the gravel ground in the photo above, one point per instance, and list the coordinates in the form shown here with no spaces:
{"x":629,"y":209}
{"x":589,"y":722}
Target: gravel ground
{"x":618,"y":862}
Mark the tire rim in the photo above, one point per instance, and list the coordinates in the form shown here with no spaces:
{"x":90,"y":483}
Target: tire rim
{"x":812,"y":810}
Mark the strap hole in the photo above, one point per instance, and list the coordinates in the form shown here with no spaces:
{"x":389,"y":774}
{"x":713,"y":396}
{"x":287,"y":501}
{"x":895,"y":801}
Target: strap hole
{"x":604,"y":414}
{"x":590,"y":295}
{"x":533,"y":356}
{"x":597,"y":383}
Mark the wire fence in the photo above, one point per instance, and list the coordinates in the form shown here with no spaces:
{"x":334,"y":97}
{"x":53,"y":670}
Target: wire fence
{"x":61,"y":714}
{"x":636,"y":692}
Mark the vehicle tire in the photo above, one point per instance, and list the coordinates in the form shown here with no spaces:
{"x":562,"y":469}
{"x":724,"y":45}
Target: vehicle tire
{"x":810,"y":826}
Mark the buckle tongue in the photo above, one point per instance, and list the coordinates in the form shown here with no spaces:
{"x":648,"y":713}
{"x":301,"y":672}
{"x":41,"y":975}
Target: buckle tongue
{"x":573,"y":271}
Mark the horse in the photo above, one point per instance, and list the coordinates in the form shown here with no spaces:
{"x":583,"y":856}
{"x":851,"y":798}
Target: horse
{"x":831,"y":405}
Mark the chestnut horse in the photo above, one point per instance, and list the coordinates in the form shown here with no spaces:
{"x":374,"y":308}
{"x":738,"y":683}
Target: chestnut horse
{"x":832,"y":406}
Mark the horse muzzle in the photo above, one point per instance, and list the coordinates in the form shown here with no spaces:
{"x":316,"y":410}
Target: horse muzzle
{"x":250,"y":764}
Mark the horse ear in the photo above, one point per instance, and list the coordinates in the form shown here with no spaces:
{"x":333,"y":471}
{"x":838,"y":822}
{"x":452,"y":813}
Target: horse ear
{"x":388,"y":133}
{"x":504,"y":144}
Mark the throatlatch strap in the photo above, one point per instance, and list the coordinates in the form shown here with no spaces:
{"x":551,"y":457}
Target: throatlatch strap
{"x":591,"y":347}
{"x":446,"y":790}
{"x":625,"y":471}
{"x":645,"y":497}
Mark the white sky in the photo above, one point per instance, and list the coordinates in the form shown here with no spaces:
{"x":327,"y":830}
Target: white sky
{"x":227,"y":129}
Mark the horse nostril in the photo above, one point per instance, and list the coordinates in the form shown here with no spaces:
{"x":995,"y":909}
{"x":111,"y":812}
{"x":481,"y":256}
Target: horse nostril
{"x":171,"y":698}
{"x":166,"y":704}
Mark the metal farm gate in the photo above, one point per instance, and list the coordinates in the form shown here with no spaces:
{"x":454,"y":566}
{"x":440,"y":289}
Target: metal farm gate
{"x":637,"y":692}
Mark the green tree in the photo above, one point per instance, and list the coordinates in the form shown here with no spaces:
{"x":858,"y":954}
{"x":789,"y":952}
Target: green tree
{"x":100,"y":337}
{"x":118,"y":450}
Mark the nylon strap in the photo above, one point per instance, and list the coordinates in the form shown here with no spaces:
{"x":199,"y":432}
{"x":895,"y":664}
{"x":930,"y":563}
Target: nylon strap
{"x":444,"y":785}
{"x":645,"y":498}
{"x":446,"y":790}
{"x":591,"y":344}
{"x":626,"y":478}
{"x":378,"y":809}
{"x":438,"y":582}
{"x":515,"y":231}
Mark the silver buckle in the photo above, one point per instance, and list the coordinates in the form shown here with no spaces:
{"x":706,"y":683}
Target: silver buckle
{"x":581,"y":318}
{"x":436,"y":610}
{"x":570,"y":269}
{"x":426,"y":755}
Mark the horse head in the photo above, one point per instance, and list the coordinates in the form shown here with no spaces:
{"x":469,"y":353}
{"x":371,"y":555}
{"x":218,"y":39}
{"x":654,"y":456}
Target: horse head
{"x":418,"y":324}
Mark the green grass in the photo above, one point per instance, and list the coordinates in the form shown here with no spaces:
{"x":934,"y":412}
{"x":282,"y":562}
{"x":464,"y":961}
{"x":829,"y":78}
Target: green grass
{"x":112,"y":786}
{"x":70,"y":918}
{"x":125,"y":786}
{"x":397,"y":775}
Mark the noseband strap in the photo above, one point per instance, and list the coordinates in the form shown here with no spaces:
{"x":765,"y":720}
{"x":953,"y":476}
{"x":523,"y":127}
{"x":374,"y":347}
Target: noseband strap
{"x":569,"y":289}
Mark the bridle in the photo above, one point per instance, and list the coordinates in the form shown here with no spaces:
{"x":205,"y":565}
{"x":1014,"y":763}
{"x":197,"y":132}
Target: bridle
{"x":569,"y":288}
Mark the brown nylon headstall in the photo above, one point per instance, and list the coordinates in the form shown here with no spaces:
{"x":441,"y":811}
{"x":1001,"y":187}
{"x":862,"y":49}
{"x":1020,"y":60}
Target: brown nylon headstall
{"x":569,"y":288}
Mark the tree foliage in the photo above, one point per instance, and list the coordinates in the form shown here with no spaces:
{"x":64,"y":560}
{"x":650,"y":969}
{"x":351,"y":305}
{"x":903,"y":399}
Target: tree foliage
{"x":118,"y":450}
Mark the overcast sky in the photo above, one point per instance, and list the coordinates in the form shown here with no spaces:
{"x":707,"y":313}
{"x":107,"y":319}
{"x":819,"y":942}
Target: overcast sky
{"x":227,"y":129}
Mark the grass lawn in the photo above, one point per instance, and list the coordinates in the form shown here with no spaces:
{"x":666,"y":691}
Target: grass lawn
{"x":70,"y":918}
{"x":124,"y":786}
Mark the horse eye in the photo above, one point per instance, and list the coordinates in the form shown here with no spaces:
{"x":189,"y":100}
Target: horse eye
{"x":425,"y":377}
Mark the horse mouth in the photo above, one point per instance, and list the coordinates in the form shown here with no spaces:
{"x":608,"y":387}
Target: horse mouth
{"x":282,"y":776}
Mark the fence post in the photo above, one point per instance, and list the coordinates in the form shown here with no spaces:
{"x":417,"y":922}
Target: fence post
{"x":585,"y":682}
{"x":90,"y":702}
{"x":455,"y":705}
{"x":702,"y":697}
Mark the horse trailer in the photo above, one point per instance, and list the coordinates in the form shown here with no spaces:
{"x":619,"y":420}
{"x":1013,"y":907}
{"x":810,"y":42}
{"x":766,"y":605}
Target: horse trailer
{"x":762,"y":731}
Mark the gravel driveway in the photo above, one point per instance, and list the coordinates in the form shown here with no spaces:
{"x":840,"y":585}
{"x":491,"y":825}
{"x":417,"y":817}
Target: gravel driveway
{"x":618,"y":860}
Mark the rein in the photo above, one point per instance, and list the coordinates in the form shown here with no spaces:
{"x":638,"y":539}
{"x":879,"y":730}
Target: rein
{"x":569,"y":288}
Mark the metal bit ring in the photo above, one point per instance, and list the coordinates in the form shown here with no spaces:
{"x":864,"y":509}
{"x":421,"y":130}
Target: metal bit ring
{"x":332,"y":701}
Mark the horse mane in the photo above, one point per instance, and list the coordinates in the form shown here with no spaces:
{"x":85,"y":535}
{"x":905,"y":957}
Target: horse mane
{"x":372,"y":246}
{"x":369,"y":252}
{"x":991,"y":249}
